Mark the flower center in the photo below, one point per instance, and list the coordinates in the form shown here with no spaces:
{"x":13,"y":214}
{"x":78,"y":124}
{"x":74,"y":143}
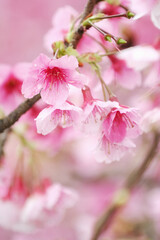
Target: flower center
{"x":12,"y":85}
{"x":55,"y":75}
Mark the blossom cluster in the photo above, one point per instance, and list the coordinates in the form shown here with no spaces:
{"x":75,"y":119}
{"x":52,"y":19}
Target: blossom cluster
{"x":99,"y":104}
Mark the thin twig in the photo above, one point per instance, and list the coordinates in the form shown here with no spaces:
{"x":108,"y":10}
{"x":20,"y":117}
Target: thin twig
{"x":106,"y":218}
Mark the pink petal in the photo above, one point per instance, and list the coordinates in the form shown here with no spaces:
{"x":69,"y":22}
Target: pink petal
{"x":65,"y":62}
{"x":44,"y":122}
{"x":128,"y":78}
{"x":21,"y":70}
{"x":30,"y":88}
{"x":55,"y":95}
{"x":64,"y":15}
{"x":114,"y":127}
{"x":77,"y":79}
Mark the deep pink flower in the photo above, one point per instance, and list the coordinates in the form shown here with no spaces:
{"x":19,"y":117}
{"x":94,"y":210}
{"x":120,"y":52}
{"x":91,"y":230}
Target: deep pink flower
{"x":64,"y":116}
{"x":52,"y":77}
{"x":11,"y":79}
{"x":120,"y":125}
{"x":94,"y":111}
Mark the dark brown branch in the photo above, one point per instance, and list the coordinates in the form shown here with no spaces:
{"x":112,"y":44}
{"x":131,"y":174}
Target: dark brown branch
{"x":106,"y":218}
{"x":80,"y":29}
{"x":3,"y":139}
{"x":9,"y":120}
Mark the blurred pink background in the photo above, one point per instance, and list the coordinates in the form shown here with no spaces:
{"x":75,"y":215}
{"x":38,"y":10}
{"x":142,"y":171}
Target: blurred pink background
{"x":23,"y":24}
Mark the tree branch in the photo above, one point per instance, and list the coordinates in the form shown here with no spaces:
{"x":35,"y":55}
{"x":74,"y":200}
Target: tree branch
{"x":3,"y":138}
{"x":106,"y":218}
{"x":80,"y":29}
{"x":9,"y":120}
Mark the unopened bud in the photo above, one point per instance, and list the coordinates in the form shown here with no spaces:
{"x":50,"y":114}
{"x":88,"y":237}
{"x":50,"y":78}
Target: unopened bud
{"x":121,"y":41}
{"x":130,"y":14}
{"x":108,"y":38}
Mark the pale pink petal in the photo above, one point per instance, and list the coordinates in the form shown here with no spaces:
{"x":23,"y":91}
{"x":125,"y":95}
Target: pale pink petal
{"x":41,"y":61}
{"x":155,"y":15}
{"x":52,"y":36}
{"x":64,"y":15}
{"x":42,"y":209}
{"x":77,"y":79}
{"x":44,"y":122}
{"x":114,"y":127}
{"x":108,"y":75}
{"x":65,"y":62}
{"x":30,"y":87}
{"x":128,"y":78}
{"x":21,"y":70}
{"x":139,"y":57}
{"x":55,"y":95}
{"x":49,"y":118}
{"x":152,"y":77}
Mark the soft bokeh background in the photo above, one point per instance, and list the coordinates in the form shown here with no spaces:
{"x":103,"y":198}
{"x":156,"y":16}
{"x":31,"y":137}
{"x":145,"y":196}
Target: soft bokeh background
{"x":23,"y":24}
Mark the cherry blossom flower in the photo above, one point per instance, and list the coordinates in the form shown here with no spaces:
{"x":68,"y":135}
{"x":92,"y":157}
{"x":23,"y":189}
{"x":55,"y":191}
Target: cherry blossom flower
{"x":121,"y":122}
{"x":51,"y":78}
{"x":51,"y":117}
{"x":94,"y":111}
{"x":120,"y":125}
{"x":44,"y":207}
{"x":11,"y":79}
{"x":119,"y":72}
{"x":47,"y":207}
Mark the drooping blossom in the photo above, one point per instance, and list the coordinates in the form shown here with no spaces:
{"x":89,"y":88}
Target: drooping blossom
{"x":118,"y":128}
{"x":121,"y":122}
{"x":51,"y":117}
{"x":114,"y":124}
{"x":120,"y":125}
{"x":11,"y":79}
{"x":94,"y":111}
{"x":51,"y":78}
{"x":108,"y":152}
